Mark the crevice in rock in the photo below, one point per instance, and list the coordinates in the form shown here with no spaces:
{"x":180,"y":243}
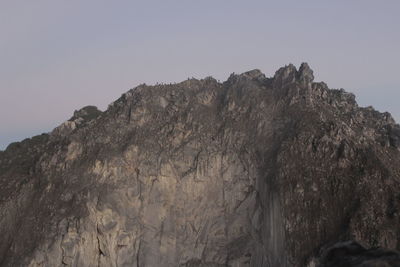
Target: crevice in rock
{"x":138,"y":253}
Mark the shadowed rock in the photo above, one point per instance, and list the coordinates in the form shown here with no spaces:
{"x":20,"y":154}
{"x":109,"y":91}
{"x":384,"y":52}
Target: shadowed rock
{"x":353,"y":254}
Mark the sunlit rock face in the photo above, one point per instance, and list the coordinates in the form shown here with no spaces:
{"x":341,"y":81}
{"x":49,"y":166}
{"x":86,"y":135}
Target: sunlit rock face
{"x":254,"y":171}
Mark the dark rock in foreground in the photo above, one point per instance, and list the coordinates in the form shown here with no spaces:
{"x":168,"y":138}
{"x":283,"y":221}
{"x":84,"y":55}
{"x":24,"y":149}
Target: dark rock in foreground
{"x":254,"y":171}
{"x":353,"y":254}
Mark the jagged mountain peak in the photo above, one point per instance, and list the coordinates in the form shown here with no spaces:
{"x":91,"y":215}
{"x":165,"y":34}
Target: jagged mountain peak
{"x":305,"y":73}
{"x":253,"y":171}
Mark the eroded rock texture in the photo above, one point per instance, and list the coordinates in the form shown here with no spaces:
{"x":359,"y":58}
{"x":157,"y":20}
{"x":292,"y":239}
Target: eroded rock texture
{"x":254,"y":171}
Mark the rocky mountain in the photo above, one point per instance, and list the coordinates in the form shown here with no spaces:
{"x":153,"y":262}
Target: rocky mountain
{"x":254,"y":171}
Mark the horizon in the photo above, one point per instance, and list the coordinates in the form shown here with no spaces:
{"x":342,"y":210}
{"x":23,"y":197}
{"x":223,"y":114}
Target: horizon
{"x":58,"y":57}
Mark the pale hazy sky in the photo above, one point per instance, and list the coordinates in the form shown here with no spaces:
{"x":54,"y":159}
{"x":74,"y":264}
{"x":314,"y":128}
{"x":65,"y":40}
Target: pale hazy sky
{"x":60,"y":55}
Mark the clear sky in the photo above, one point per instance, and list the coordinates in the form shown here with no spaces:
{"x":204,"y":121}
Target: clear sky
{"x":60,"y":55}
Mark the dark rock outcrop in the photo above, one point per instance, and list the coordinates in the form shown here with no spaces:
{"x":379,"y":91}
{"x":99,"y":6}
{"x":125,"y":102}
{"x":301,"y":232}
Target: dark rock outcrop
{"x":353,"y":254}
{"x":254,"y":171}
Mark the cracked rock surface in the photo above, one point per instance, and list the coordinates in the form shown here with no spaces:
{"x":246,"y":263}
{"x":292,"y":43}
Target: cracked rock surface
{"x":254,"y":171}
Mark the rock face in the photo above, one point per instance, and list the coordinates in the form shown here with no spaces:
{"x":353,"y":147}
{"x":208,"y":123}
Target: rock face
{"x":254,"y":171}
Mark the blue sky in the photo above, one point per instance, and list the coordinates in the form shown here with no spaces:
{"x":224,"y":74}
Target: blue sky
{"x":57,"y":56}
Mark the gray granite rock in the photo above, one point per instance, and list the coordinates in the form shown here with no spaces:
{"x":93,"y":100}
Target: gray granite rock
{"x":254,"y":171}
